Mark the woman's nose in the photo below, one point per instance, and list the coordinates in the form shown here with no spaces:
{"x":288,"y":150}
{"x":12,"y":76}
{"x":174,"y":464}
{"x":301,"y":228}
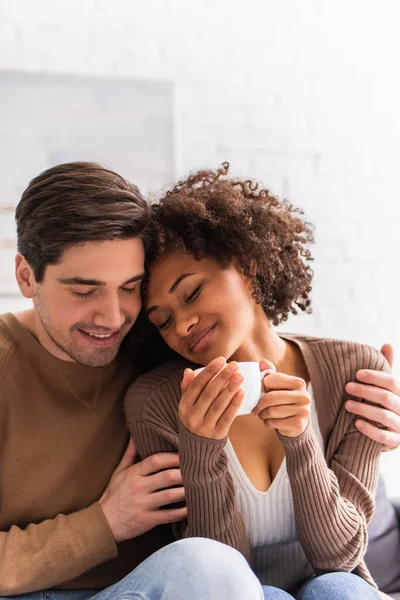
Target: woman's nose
{"x":185,"y":326}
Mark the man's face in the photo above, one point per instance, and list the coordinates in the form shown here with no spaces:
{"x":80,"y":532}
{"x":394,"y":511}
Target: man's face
{"x":86,"y":304}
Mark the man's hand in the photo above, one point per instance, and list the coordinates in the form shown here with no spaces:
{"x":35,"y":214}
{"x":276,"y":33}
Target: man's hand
{"x":383,"y":389}
{"x":131,"y":503}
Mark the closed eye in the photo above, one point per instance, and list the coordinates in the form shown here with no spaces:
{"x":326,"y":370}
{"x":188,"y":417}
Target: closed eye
{"x":163,"y":325}
{"x":83,"y":295}
{"x":193,"y":295}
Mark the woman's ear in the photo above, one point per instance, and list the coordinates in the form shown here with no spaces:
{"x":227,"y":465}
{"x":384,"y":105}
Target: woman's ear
{"x":253,"y":268}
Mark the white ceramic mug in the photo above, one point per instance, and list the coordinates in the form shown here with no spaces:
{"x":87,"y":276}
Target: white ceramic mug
{"x":252,"y":378}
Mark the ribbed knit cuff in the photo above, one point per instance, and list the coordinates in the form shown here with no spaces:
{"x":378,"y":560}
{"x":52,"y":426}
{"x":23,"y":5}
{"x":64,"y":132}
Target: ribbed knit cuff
{"x":199,"y":456}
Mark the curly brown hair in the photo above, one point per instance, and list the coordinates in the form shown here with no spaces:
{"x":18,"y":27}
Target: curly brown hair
{"x":210,"y":215}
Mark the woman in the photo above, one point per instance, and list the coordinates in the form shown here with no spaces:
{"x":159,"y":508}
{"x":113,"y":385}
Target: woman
{"x":290,"y":486}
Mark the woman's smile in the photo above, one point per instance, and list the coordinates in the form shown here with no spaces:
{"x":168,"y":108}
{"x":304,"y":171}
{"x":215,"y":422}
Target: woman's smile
{"x":202,"y":340}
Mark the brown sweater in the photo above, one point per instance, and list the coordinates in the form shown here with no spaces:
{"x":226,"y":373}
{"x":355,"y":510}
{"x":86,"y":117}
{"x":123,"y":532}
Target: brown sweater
{"x":62,"y":433}
{"x":333,"y":495}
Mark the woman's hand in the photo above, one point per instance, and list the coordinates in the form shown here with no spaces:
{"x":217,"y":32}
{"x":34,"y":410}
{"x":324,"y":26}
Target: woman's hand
{"x":210,"y":401}
{"x":383,"y":389}
{"x":286,"y":404}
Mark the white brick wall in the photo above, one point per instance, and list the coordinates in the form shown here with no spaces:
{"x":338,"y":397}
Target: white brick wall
{"x":303,"y":95}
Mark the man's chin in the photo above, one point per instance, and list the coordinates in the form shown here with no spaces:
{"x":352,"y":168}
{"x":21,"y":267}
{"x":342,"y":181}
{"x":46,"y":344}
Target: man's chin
{"x":95,"y":358}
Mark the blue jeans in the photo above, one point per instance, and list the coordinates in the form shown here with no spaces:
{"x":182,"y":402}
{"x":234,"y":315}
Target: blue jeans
{"x":190,"y":569}
{"x":332,"y":586}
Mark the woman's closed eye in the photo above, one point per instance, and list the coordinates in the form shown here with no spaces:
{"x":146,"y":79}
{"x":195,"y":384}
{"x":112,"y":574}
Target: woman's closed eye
{"x":195,"y":294}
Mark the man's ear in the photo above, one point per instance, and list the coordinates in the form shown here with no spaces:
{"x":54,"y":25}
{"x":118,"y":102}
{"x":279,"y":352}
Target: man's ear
{"x":25,"y":277}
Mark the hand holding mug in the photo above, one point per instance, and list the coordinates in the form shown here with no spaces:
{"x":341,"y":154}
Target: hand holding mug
{"x":286,"y":404}
{"x":211,"y":399}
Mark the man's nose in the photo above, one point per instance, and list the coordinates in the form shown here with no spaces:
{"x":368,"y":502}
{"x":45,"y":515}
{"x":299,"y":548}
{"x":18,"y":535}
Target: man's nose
{"x":109,"y":314}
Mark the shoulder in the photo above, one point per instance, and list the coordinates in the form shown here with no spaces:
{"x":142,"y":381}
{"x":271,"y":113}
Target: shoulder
{"x":340,"y":356}
{"x":155,"y":394}
{"x":6,"y":340}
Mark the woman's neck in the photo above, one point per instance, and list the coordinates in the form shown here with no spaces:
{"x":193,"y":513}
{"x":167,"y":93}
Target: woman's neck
{"x":264,"y":342}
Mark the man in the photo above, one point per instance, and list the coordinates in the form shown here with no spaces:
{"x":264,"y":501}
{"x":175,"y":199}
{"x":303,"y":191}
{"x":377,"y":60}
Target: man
{"x":78,"y":514}
{"x":76,"y":511}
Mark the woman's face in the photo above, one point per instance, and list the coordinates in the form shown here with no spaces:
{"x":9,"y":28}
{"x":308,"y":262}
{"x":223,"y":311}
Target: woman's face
{"x":201,"y":310}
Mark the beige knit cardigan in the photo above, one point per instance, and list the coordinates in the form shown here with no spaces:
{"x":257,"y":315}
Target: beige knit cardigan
{"x":333,"y":492}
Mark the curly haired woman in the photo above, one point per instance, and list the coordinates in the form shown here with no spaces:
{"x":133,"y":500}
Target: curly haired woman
{"x":291,"y":485}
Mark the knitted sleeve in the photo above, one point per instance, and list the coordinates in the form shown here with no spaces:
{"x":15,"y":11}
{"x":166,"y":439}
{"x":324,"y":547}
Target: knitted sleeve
{"x":333,"y":495}
{"x":151,"y":410}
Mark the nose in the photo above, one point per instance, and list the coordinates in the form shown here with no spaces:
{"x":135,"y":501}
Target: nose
{"x":185,"y":324}
{"x":109,"y":313}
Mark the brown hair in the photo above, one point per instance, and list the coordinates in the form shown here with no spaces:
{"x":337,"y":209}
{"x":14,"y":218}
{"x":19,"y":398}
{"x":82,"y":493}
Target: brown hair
{"x":75,"y":203}
{"x":235,"y":221}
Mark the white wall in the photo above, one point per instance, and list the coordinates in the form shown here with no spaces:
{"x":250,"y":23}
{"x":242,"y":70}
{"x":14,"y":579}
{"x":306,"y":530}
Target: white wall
{"x":303,"y":95}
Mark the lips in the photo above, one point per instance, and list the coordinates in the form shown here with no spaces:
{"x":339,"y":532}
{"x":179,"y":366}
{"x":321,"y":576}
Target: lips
{"x":106,"y":339}
{"x":199,"y":341}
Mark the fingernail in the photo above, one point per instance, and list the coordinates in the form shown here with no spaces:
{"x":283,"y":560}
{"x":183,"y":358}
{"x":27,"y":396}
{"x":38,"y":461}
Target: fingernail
{"x":237,"y":378}
{"x":232,"y":367}
{"x":351,"y":387}
{"x":219,"y":362}
{"x":360,"y":424}
{"x":361,"y":374}
{"x":350,"y":405}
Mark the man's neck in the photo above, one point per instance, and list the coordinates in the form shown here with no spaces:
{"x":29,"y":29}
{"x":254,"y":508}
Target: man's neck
{"x":30,"y":320}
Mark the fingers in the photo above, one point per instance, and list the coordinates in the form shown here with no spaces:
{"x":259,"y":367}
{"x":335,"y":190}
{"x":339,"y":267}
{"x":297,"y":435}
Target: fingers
{"x":200,"y":382}
{"x":163,"y":479}
{"x":211,"y":391}
{"x":173,"y":515}
{"x":388,"y":353}
{"x":387,"y":418}
{"x":157,"y":462}
{"x":222,"y":411}
{"x":165,"y":497}
{"x":128,"y":457}
{"x":267,"y":365}
{"x":280,"y":381}
{"x":282,"y":412}
{"x":229,"y":415}
{"x":222,"y":401}
{"x":280,"y":398}
{"x":188,"y":377}
{"x":389,"y":439}
{"x":378,"y":395}
{"x":379,"y":379}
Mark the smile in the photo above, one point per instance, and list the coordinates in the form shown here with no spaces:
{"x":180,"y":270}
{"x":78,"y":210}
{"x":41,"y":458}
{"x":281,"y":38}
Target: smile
{"x":100,"y":340}
{"x":101,"y":336}
{"x":202,"y":340}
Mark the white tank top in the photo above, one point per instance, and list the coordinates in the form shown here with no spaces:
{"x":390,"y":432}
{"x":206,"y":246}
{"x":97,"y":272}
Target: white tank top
{"x":277,"y":556}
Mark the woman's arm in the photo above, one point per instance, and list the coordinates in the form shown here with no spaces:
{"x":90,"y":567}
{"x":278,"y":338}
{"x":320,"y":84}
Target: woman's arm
{"x":333,"y":495}
{"x":155,"y":427}
{"x":333,"y":503}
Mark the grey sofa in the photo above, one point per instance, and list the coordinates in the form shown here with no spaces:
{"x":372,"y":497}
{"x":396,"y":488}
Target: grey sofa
{"x":383,"y":554}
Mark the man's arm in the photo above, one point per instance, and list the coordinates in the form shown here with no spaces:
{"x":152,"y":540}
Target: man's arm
{"x":382,"y":389}
{"x":47,"y":554}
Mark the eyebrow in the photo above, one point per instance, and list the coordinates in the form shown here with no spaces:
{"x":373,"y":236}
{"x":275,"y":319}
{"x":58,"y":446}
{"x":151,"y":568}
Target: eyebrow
{"x":83,"y":281}
{"x":172,"y":289}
